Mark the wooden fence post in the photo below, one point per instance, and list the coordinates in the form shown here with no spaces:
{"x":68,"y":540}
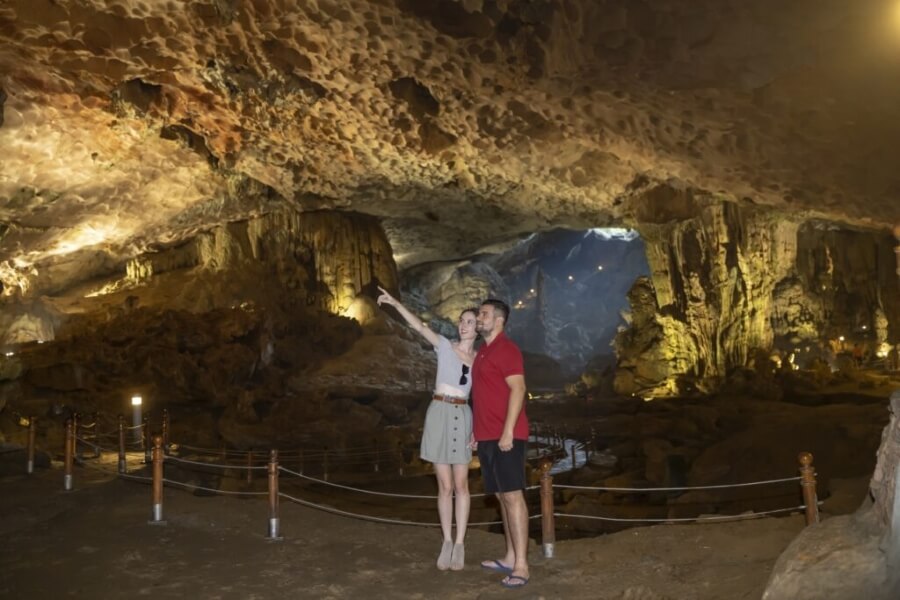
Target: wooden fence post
{"x":548,"y":527}
{"x":274,"y":523}
{"x":250,"y":466}
{"x":808,"y":486}
{"x":75,"y":419}
{"x":122,"y":463}
{"x":375,"y":441}
{"x":157,"y":480}
{"x":145,"y":439}
{"x":325,"y":464}
{"x":29,"y":464}
{"x":69,"y":452}
{"x":165,"y":431}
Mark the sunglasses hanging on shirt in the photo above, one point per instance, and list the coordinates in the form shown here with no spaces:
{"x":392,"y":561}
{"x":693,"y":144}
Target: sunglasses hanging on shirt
{"x":462,"y":378}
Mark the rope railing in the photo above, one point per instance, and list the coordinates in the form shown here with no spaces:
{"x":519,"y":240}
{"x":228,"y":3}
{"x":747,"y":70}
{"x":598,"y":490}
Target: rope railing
{"x":337,"y":511}
{"x":158,"y":452}
{"x":700,"y":519}
{"x":672,"y":489}
{"x":807,"y":479}
{"x":185,"y":461}
{"x":377,"y":493}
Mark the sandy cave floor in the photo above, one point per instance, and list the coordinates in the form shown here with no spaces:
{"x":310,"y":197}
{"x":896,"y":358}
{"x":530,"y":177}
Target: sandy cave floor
{"x":96,"y":542}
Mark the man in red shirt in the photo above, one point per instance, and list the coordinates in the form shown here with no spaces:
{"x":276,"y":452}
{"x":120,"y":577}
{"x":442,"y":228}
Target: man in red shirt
{"x":501,"y":432}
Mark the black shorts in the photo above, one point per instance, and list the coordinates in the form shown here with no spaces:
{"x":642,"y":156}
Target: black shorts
{"x":502,"y":471}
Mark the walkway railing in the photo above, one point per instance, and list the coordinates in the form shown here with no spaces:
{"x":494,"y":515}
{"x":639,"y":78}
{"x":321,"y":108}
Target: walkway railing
{"x":158,"y":452}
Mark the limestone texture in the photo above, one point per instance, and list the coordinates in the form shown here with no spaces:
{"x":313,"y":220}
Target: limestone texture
{"x":127,"y":124}
{"x":731,"y":285}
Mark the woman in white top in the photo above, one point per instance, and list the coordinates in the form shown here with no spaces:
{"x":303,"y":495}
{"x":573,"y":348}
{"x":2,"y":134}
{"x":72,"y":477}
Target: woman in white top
{"x":447,"y":435}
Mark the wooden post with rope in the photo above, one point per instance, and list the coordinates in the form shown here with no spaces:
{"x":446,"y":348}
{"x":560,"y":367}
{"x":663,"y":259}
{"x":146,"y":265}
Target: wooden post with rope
{"x":274,"y":522}
{"x":249,"y":467}
{"x":75,"y":425}
{"x":145,"y":439}
{"x":122,"y":462}
{"x":808,"y":486}
{"x":375,"y":442}
{"x":165,"y":431}
{"x":325,"y":464}
{"x":548,"y":527}
{"x":69,"y":451}
{"x":29,"y":459}
{"x":157,"y":480}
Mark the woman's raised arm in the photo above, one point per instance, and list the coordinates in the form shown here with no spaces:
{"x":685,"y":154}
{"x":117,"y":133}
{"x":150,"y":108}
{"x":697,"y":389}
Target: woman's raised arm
{"x":414,"y":322}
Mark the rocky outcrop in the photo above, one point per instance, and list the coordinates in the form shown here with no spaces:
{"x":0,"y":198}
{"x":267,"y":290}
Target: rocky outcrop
{"x":319,"y":260}
{"x":733,"y":284}
{"x":855,"y":556}
{"x":655,"y":353}
{"x":712,"y":277}
{"x":220,"y":324}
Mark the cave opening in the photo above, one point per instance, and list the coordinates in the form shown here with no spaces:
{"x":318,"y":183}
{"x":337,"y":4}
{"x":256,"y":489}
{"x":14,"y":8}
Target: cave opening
{"x":567,"y":290}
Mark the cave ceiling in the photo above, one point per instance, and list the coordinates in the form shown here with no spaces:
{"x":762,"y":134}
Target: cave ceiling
{"x":131,"y":125}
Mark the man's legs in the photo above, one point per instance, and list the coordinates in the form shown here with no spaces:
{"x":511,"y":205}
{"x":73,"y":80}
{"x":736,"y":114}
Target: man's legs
{"x":515,"y":522}
{"x":509,"y":559}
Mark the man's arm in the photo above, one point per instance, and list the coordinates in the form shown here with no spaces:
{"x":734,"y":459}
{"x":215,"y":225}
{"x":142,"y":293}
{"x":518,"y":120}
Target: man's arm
{"x":516,"y":385}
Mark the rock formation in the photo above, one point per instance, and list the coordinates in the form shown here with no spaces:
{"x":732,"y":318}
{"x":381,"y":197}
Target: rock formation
{"x":853,"y":556}
{"x":128,"y":124}
{"x":223,"y":322}
{"x":731,"y":284}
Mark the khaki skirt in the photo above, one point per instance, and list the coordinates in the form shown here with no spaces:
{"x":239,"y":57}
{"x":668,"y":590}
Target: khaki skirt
{"x":445,"y":439}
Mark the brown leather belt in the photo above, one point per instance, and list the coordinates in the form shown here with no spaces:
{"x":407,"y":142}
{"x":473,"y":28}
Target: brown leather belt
{"x":450,"y":399}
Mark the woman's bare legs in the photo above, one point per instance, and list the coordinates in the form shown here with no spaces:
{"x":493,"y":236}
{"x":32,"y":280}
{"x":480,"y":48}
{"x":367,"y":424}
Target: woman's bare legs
{"x":463,"y":500}
{"x":445,"y":512}
{"x":444,"y":477}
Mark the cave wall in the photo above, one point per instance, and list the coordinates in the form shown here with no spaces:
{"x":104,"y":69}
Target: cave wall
{"x":225,"y":326}
{"x":730,"y":285}
{"x":851,"y":276}
{"x":320,"y":260}
{"x":323,"y":258}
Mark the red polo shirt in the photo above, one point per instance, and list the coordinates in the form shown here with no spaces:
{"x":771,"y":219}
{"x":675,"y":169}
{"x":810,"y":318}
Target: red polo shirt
{"x":490,"y":393}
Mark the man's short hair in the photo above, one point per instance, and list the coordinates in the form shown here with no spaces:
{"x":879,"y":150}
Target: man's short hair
{"x":500,"y":305}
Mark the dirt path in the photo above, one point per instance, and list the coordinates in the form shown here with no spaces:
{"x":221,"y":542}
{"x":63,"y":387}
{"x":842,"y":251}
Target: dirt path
{"x":95,"y":542}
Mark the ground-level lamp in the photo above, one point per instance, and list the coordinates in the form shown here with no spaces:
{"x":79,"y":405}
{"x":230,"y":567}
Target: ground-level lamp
{"x":136,"y":402}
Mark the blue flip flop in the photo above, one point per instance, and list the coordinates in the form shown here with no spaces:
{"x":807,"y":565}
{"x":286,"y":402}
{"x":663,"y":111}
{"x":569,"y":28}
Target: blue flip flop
{"x":496,"y":565}
{"x":514,"y":581}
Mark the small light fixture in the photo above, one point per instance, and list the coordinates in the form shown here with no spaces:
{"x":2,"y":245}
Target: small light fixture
{"x":571,"y":278}
{"x":136,"y":402}
{"x":841,"y":338}
{"x":531,"y":290}
{"x":599,"y":267}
